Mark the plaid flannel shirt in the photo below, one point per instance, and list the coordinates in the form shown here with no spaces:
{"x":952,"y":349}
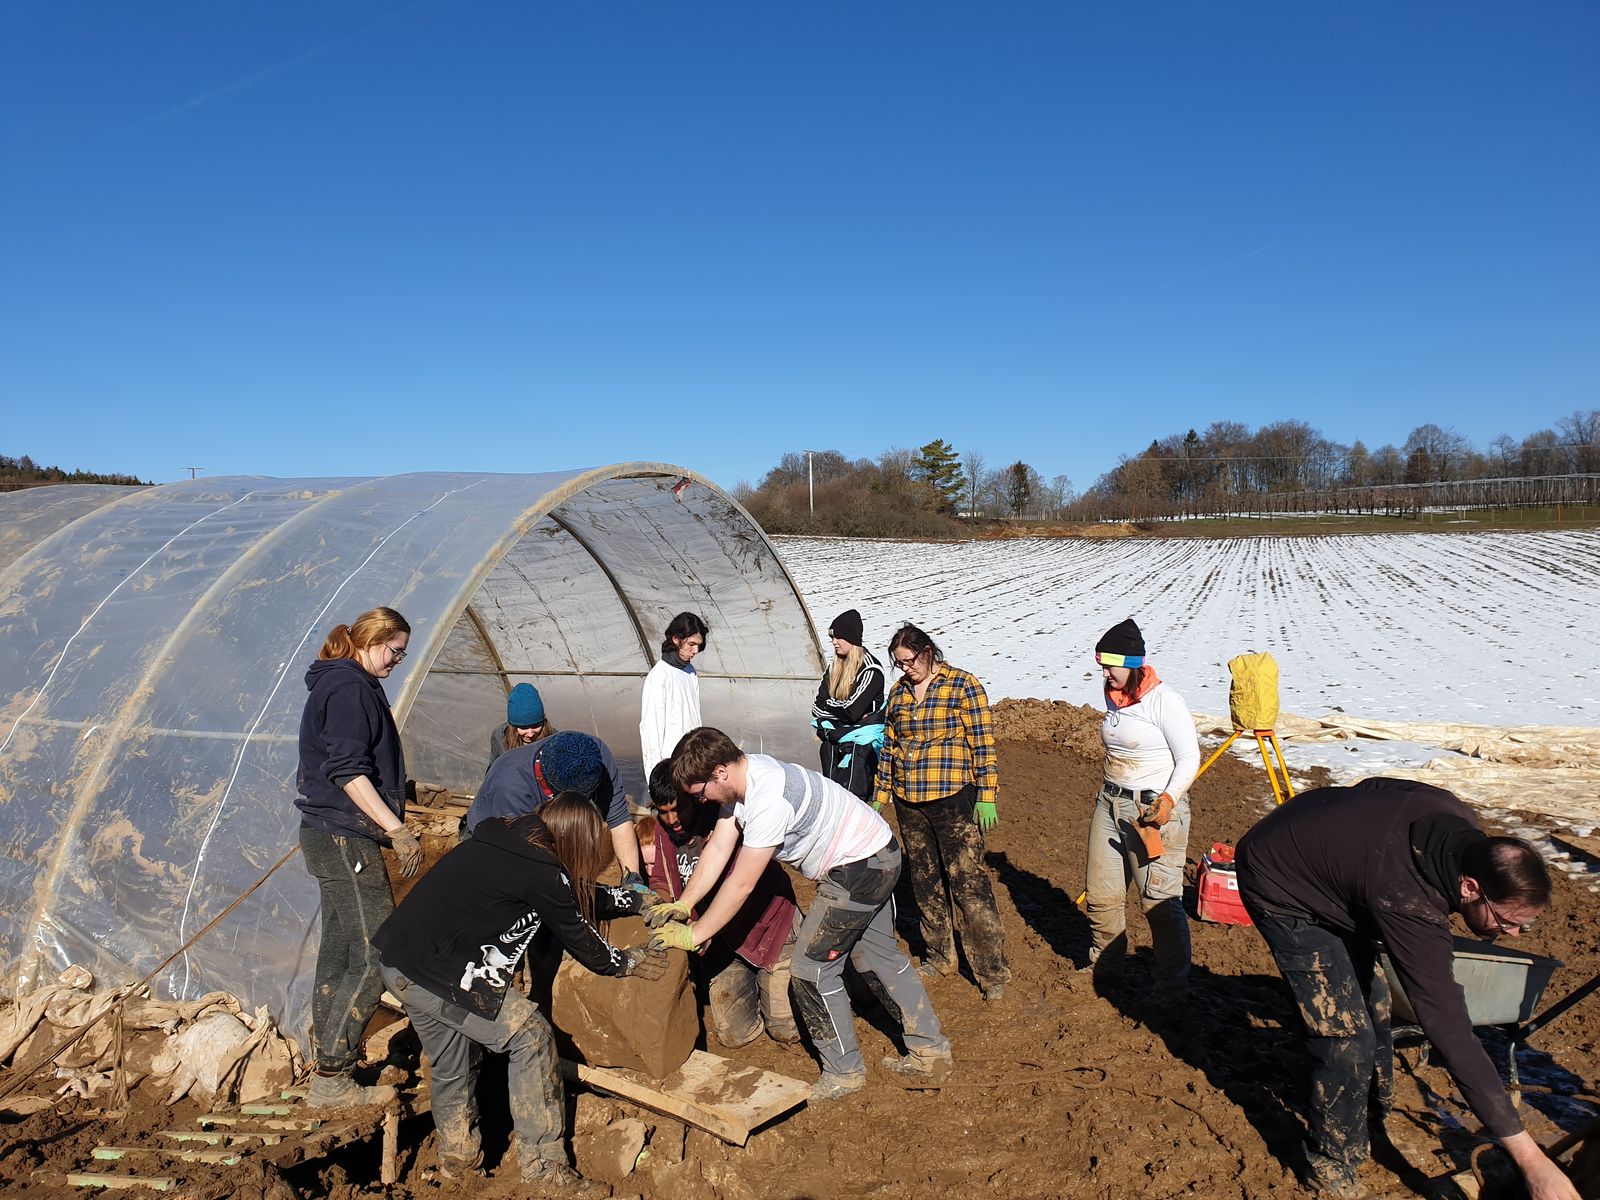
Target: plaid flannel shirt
{"x":934,"y":749}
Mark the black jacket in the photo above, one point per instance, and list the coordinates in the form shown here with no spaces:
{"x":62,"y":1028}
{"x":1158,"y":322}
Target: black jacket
{"x":1367,"y":860}
{"x":462,"y":929}
{"x":347,"y":730}
{"x":864,"y":705}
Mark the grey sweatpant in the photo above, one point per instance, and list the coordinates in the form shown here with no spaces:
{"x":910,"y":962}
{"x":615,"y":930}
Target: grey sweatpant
{"x":852,"y":920}
{"x":455,"y":1040}
{"x":1116,"y":860}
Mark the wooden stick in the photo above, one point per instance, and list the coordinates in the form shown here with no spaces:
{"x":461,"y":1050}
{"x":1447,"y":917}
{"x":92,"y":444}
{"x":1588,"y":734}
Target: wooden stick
{"x":101,"y":1180}
{"x":390,"y":1172}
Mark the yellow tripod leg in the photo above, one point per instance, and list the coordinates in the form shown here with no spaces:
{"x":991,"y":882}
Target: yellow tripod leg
{"x":1283,"y":766}
{"x":1277,"y":792}
{"x":1217,"y":753}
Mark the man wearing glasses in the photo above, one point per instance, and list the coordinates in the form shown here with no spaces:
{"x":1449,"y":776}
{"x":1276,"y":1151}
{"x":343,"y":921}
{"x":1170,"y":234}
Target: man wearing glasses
{"x":1334,"y":871}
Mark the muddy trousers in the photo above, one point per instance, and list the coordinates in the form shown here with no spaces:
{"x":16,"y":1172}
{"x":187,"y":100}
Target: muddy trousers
{"x":454,"y":1040}
{"x":355,"y":900}
{"x":1344,"y":1005}
{"x":852,"y":921}
{"x":1116,"y":860}
{"x":747,"y":1000}
{"x":944,"y":856}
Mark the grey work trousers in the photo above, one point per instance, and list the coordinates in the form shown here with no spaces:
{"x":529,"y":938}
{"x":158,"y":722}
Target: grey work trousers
{"x":747,"y":1000}
{"x":455,"y":1039}
{"x":355,"y":900}
{"x":852,"y":921}
{"x":1116,"y":859}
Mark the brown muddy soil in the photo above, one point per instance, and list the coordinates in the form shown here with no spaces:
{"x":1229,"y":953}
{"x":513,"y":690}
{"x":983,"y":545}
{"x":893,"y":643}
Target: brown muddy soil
{"x":1060,"y":1091}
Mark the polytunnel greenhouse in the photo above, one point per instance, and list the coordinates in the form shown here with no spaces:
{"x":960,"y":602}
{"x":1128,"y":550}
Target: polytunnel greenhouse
{"x":153,"y":643}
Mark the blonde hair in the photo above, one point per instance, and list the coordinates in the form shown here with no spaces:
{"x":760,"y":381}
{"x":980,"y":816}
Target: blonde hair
{"x":842,"y":674}
{"x":371,"y":628}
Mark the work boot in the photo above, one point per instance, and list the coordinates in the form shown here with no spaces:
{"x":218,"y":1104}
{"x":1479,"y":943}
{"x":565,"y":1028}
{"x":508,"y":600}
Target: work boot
{"x":340,"y":1091}
{"x":833,"y":1087}
{"x":992,"y":991}
{"x":555,"y":1179}
{"x":460,"y":1168}
{"x":929,"y":969}
{"x":921,"y":1066}
{"x":1327,"y":1185}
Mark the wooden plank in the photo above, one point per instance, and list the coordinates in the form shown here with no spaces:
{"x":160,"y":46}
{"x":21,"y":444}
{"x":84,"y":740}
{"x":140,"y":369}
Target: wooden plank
{"x":227,"y":1158}
{"x":100,"y":1180}
{"x":216,"y":1137}
{"x":305,"y":1124}
{"x":1589,"y":847}
{"x":708,"y":1092}
{"x":268,"y":1110}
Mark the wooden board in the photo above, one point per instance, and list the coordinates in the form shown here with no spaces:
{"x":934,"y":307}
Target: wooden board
{"x":1589,"y":847}
{"x":708,"y":1092}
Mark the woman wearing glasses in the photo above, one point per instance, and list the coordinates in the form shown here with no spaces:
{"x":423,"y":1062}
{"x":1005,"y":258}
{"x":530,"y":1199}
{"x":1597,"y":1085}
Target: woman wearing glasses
{"x":938,"y":767}
{"x":848,"y":712}
{"x":352,"y":784}
{"x":1140,"y":827}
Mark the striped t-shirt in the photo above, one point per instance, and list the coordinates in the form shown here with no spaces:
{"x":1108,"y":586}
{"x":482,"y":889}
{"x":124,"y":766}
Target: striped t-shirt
{"x":815,"y":824}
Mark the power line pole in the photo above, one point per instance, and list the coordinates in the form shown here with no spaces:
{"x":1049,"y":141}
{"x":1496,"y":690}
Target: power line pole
{"x":811,"y":487}
{"x":193,"y":471}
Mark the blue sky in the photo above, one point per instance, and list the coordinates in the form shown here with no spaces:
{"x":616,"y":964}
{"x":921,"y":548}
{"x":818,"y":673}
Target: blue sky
{"x":293,"y":238}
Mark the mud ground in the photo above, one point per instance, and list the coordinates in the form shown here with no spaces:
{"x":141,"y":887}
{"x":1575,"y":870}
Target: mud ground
{"x":1061,"y":1091}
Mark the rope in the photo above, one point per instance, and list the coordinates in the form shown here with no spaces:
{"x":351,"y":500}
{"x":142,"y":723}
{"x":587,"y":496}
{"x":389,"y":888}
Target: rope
{"x":26,"y":1073}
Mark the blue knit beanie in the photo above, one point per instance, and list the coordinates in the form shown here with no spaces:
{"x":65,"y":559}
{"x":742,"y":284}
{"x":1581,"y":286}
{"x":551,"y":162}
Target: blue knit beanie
{"x":570,"y":762}
{"x":524,"y":707}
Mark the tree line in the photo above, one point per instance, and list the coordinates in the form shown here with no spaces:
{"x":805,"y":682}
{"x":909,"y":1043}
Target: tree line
{"x":18,"y":472}
{"x":938,"y":491}
{"x":1211,"y":471}
{"x":927,"y":492}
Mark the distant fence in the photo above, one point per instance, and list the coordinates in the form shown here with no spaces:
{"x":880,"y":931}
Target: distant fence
{"x":1388,"y":499}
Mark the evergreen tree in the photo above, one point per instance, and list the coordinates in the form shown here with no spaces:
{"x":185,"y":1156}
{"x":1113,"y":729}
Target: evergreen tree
{"x":939,"y":466}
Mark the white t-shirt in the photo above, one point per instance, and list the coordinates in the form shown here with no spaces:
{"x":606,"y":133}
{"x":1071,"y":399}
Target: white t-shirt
{"x":1151,"y":746}
{"x":815,"y":824}
{"x":670,"y":708}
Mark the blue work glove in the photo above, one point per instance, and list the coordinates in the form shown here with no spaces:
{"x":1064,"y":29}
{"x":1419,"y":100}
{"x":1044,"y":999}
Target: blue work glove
{"x":634,"y":882}
{"x":674,"y":935}
{"x":984,"y":813}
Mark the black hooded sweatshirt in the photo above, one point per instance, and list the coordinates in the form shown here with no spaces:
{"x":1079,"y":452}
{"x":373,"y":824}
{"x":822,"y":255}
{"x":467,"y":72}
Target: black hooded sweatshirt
{"x":347,"y":730}
{"x":1381,"y":860}
{"x":462,"y":929}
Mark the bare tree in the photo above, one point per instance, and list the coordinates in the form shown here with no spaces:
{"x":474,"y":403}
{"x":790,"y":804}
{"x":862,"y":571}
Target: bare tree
{"x":972,"y":462}
{"x":1581,"y":432}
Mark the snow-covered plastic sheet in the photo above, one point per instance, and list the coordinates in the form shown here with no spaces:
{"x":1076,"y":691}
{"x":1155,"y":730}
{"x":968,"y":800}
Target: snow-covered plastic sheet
{"x":153,"y":643}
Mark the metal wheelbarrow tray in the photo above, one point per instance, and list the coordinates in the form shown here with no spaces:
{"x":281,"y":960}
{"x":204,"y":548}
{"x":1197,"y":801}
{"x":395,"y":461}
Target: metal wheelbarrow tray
{"x":1503,"y":986}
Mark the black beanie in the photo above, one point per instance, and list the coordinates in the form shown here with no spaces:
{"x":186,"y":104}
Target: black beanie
{"x":847,"y":625}
{"x":1125,"y":641}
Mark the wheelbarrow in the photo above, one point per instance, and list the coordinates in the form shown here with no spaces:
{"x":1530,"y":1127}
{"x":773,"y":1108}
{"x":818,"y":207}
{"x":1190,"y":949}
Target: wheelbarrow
{"x":1502,"y":987}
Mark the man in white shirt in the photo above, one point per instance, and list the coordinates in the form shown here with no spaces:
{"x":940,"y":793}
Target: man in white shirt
{"x":831,"y":836}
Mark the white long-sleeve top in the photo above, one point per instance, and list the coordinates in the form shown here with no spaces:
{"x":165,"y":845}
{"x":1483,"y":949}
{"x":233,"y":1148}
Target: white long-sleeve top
{"x":670,"y":708}
{"x":1151,"y":745}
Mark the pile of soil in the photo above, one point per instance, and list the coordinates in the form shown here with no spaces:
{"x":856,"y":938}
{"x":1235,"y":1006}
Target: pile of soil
{"x":1061,"y":1090}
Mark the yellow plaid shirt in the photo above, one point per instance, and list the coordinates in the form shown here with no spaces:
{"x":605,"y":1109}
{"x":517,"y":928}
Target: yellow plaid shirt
{"x":935,"y":748}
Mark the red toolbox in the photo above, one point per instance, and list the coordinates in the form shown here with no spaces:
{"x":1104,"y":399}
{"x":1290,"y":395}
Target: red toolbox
{"x":1218,"y":888}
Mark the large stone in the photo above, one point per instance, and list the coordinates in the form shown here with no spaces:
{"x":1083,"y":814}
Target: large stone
{"x":644,"y":1025}
{"x":609,"y":1154}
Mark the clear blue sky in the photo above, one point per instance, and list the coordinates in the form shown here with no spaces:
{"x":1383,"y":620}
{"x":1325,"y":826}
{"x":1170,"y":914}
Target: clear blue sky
{"x":303,"y":238}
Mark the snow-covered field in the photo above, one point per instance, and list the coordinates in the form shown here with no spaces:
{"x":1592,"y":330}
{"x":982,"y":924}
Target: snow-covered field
{"x":1490,"y":628}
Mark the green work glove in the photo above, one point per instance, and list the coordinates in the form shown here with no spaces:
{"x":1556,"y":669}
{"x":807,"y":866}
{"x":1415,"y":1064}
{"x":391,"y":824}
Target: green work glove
{"x":983,"y":812}
{"x":674,"y":935}
{"x":662,"y":911}
{"x":877,"y":806}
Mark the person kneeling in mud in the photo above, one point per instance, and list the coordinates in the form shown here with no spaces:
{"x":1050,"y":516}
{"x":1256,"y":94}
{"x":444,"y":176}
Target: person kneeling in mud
{"x":815,"y":826}
{"x":747,"y":968}
{"x":449,"y":951}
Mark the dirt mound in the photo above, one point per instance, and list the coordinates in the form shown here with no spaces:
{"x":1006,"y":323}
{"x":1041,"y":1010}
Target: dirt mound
{"x":1106,"y":529}
{"x":1074,"y":727}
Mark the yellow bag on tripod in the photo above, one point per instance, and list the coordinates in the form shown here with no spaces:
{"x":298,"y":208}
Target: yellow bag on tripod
{"x":1253,"y":695}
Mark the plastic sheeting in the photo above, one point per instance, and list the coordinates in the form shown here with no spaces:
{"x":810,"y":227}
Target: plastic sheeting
{"x":153,"y":643}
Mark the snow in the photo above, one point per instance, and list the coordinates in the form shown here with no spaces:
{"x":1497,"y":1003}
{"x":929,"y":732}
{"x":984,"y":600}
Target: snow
{"x":1488,"y":628}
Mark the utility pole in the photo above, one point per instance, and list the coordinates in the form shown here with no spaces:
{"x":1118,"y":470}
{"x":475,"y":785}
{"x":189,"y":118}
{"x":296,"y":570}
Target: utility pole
{"x":811,"y":486}
{"x":193,"y":471}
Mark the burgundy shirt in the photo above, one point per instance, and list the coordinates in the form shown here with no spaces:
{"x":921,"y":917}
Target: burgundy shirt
{"x":763,"y":923}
